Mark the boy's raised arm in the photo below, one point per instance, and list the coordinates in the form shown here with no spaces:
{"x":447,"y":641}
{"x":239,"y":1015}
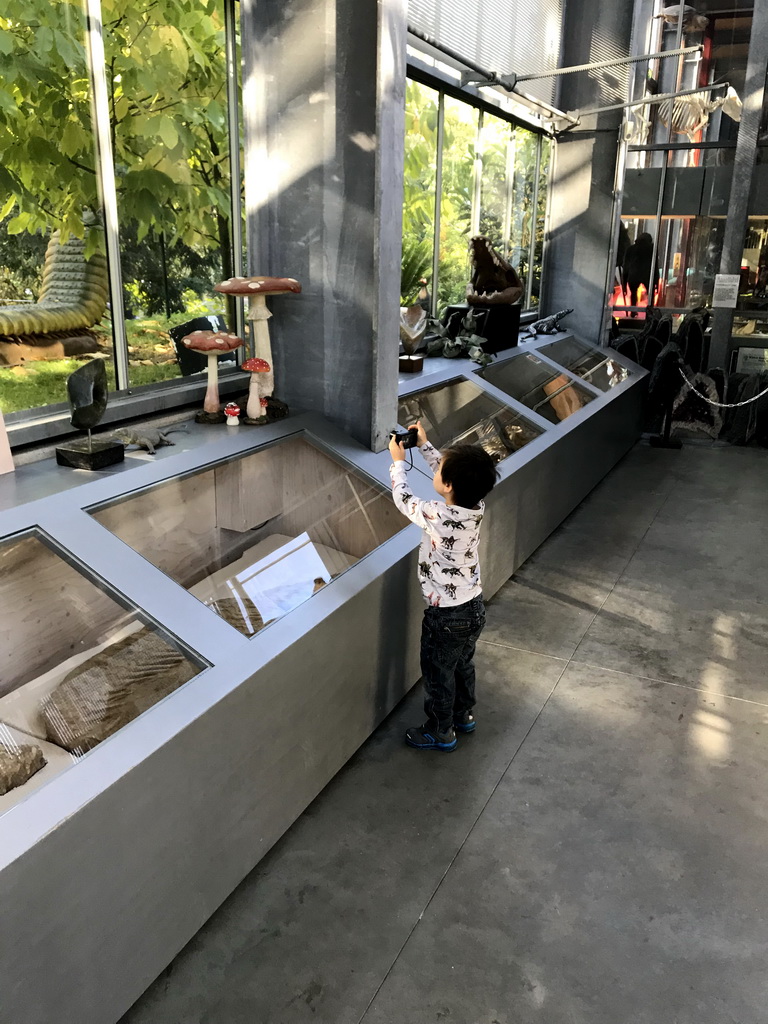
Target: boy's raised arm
{"x":431,"y":455}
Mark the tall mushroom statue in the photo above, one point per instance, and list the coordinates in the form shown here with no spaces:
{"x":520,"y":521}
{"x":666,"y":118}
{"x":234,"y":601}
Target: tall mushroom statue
{"x":257,"y":289}
{"x":212,"y":344}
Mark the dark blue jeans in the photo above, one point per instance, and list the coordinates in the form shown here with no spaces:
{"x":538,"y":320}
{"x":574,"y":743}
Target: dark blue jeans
{"x":448,"y":639}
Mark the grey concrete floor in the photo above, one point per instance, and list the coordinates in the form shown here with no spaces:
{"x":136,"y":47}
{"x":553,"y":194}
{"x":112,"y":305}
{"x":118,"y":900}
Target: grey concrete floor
{"x":595,"y":852}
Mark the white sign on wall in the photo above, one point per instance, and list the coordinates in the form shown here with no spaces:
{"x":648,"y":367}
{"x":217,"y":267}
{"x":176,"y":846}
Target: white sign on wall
{"x":752,"y":360}
{"x":726,"y":293}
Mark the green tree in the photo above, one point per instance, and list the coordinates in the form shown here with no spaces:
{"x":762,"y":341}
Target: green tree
{"x":166,"y":80}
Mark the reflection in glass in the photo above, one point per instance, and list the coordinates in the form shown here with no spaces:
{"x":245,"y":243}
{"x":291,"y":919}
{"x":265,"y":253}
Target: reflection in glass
{"x":255,"y":537}
{"x":459,"y":145}
{"x":166,"y":78}
{"x":53,"y":272}
{"x":76,"y":666}
{"x":538,"y":385}
{"x":420,"y":169}
{"x":461,"y":413}
{"x":586,"y":361}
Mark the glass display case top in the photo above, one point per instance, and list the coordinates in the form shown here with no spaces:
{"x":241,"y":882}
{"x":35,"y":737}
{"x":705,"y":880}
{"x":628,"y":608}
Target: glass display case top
{"x":257,"y":536}
{"x":75,"y":666}
{"x":461,"y":412}
{"x":588,"y":362}
{"x":538,"y":385}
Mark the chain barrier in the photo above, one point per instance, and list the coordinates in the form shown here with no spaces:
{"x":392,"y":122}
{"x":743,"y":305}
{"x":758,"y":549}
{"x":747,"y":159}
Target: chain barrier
{"x":720,"y":405}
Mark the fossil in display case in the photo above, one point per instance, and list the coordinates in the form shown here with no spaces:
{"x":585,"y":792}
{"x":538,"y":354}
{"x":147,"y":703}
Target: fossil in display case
{"x":112,"y":688}
{"x":18,"y":763}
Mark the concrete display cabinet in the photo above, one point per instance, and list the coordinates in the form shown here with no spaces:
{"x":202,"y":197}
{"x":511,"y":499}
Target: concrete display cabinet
{"x":197,"y":644}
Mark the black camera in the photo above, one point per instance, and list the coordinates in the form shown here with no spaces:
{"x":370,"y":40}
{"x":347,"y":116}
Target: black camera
{"x":407,"y":438}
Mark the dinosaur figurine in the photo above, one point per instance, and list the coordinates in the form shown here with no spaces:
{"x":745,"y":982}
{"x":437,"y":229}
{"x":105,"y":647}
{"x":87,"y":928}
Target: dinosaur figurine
{"x":145,"y":437}
{"x":494,"y":281}
{"x":547,"y":325}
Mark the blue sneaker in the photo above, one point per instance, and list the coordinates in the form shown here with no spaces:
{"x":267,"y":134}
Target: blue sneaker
{"x":465,"y":722}
{"x":423,"y":737}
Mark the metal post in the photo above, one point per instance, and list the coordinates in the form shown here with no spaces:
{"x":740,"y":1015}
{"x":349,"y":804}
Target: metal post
{"x":235,"y":174}
{"x":477,"y":179}
{"x":106,"y":178}
{"x":534,"y":219}
{"x":438,"y":199}
{"x":741,"y":182}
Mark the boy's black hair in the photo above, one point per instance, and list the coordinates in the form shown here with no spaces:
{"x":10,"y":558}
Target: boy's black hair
{"x":470,"y":471}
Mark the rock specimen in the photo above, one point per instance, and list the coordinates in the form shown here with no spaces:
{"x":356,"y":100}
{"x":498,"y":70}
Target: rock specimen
{"x":112,"y":688}
{"x":242,"y":615}
{"x":87,"y":390}
{"x":18,"y":764}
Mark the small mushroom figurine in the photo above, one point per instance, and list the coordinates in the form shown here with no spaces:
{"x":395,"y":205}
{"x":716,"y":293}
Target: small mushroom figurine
{"x":260,"y":371}
{"x":232,"y":411}
{"x":257,"y":288}
{"x":213,"y":344}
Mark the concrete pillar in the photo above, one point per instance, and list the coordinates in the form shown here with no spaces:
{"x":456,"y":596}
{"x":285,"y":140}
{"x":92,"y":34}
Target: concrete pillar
{"x":741,"y":182}
{"x":581,"y":203}
{"x":323,"y":98}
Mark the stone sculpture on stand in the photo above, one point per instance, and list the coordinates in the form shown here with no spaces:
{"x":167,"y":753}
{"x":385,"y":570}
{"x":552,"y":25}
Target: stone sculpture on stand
{"x":257,"y":289}
{"x":494,"y":282}
{"x":87,"y":390}
{"x":413,"y":326}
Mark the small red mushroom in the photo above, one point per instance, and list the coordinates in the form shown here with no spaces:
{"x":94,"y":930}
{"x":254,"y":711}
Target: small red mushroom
{"x":232,"y":411}
{"x":213,"y":344}
{"x":260,"y":370}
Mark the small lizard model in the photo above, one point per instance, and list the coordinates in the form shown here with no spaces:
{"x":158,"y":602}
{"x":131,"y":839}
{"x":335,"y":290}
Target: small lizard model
{"x":547,"y":325}
{"x":145,"y":437}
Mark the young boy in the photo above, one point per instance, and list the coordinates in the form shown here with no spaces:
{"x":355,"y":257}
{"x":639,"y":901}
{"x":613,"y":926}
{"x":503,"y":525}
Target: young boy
{"x":450,"y":580}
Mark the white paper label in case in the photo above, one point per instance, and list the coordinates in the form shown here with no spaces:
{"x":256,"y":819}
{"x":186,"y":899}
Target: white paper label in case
{"x":726,"y":293}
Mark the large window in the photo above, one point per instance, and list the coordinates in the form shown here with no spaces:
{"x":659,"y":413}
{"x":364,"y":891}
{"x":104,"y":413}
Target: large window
{"x":469,"y":172}
{"x":115,"y":152}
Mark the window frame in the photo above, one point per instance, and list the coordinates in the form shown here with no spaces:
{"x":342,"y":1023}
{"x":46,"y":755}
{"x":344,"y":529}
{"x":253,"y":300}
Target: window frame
{"x":444,"y":86}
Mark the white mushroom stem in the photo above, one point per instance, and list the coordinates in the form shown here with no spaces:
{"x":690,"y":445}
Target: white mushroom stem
{"x":253,"y":409}
{"x":212,"y":404}
{"x":258,"y":315}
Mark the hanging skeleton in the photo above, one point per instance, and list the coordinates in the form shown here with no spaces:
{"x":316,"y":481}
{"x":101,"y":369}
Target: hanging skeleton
{"x":687,"y":115}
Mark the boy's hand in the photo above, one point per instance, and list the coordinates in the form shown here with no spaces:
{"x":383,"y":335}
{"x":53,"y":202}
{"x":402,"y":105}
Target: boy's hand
{"x":421,"y":432}
{"x":396,"y":450}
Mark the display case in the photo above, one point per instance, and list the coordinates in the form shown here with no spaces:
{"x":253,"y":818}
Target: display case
{"x":458,"y":411}
{"x":257,"y":536}
{"x":593,"y":364}
{"x":77,"y":665}
{"x":538,"y":385}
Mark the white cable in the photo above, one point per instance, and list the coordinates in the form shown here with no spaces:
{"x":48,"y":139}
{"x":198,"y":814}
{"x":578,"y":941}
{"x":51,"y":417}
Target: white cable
{"x":720,"y":405}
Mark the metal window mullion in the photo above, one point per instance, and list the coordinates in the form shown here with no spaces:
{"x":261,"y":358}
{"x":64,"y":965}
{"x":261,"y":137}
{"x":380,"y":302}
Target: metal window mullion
{"x":477,"y":177}
{"x":105,"y":169}
{"x":509,"y":178}
{"x":438,"y":199}
{"x":233,"y":118}
{"x":663,"y":178}
{"x":534,"y":219}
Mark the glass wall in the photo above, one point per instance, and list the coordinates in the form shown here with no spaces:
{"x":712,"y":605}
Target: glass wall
{"x":492,"y":179}
{"x":679,"y":168}
{"x":147,"y":88}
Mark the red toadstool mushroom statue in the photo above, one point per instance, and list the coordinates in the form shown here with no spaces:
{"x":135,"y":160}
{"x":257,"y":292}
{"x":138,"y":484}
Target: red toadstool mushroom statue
{"x":261,"y":379}
{"x":257,"y":288}
{"x":213,"y":344}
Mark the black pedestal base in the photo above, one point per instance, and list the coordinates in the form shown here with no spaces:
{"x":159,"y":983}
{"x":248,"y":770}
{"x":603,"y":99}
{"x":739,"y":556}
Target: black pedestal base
{"x":411,"y":364}
{"x":210,"y":418}
{"x":659,"y":441}
{"x":498,"y":326}
{"x":100,"y":454}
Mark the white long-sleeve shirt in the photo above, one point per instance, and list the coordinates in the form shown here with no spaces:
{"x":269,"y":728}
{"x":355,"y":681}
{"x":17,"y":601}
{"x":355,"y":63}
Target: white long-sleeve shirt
{"x":449,"y":571}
